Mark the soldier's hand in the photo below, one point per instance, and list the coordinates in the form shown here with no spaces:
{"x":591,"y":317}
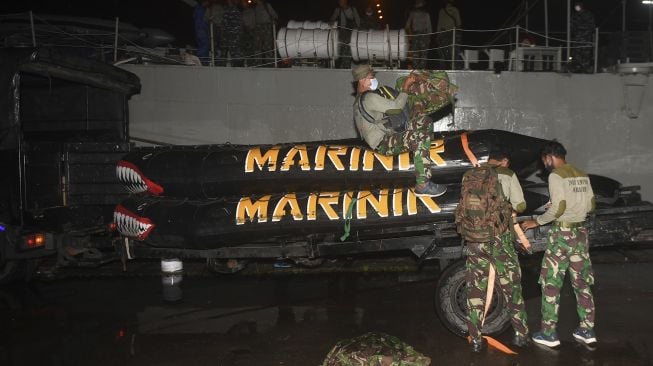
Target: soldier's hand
{"x":528,"y":224}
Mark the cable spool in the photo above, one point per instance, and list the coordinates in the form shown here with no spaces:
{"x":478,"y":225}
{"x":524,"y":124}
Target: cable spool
{"x":378,"y":44}
{"x":307,"y":43}
{"x":308,"y":24}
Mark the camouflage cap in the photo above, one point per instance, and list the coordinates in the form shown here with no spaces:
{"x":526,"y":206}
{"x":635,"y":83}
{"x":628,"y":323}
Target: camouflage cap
{"x":361,"y":71}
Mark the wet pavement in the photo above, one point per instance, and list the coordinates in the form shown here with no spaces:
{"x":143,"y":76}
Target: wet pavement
{"x":295,"y":319}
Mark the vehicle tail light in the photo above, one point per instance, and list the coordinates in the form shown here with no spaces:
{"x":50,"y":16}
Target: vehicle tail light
{"x":36,"y":240}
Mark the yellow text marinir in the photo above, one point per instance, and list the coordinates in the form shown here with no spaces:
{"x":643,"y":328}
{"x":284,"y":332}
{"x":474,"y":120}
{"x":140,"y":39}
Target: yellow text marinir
{"x":341,"y":158}
{"x":334,"y":205}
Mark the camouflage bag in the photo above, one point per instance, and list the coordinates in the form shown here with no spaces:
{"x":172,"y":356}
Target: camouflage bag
{"x":430,"y":92}
{"x":483,"y":213}
{"x":374,"y":349}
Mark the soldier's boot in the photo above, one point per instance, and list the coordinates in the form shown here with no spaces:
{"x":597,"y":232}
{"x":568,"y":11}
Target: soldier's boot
{"x":584,"y":335}
{"x":549,"y":340}
{"x":477,"y":345}
{"x":520,"y":340}
{"x":430,"y":189}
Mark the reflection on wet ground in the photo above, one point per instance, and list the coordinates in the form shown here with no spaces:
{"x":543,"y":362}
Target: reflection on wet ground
{"x":292,"y":320}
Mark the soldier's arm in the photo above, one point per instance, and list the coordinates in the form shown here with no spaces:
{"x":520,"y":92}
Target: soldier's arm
{"x":335,"y":15}
{"x":517,"y":195}
{"x":558,"y":204}
{"x":273,"y":13}
{"x":592,"y":199}
{"x":408,"y":22}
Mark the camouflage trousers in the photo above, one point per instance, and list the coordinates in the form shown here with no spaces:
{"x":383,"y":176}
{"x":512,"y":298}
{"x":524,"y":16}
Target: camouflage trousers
{"x":502,"y":255}
{"x":344,"y":60}
{"x":230,"y":47}
{"x":447,"y":48}
{"x":416,"y":139}
{"x":582,"y":58}
{"x":264,"y":47}
{"x":567,"y":249}
{"x":419,"y":45}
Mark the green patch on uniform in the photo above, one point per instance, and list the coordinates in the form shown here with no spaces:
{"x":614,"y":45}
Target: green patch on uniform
{"x":372,"y":349}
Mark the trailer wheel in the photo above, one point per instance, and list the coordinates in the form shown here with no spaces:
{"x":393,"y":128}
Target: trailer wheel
{"x":450,"y":303}
{"x":226,"y":266}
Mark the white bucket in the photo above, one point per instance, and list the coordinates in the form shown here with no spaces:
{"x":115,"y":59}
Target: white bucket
{"x":307,"y":43}
{"x":378,"y":44}
{"x":172,"y":275}
{"x":171,"y":265}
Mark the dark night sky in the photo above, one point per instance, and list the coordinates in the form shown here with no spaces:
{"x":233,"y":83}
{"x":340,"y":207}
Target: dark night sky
{"x":175,"y":17}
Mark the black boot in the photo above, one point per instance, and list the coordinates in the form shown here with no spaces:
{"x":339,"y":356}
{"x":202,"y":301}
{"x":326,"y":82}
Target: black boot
{"x":477,"y":344}
{"x":521,"y":340}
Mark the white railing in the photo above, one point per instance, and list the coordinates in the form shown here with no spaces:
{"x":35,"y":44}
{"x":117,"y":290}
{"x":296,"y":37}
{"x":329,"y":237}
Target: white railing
{"x":454,"y":50}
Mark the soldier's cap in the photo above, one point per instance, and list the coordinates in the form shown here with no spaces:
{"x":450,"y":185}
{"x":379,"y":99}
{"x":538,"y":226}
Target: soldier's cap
{"x":361,"y":71}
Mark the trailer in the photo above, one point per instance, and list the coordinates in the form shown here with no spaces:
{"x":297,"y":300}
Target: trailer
{"x":75,"y":190}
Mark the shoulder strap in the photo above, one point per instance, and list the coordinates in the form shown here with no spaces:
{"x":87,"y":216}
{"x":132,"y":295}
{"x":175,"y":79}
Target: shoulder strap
{"x":362,"y":110}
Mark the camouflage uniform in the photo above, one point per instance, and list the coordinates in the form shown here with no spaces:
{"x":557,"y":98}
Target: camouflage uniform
{"x":582,"y":33}
{"x":230,"y":37}
{"x":502,"y":255}
{"x":264,"y":46}
{"x":430,"y":92}
{"x":214,"y":15}
{"x":348,"y":19}
{"x":568,"y":248}
{"x":448,"y":19}
{"x":419,"y":25}
{"x":247,"y":36}
{"x":373,"y":349}
{"x":417,"y":139}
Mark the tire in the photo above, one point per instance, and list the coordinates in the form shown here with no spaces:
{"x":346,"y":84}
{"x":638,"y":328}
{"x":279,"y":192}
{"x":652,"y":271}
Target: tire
{"x":450,"y":303}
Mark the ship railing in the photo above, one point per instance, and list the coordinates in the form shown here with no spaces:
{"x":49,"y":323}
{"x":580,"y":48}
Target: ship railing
{"x":505,"y":49}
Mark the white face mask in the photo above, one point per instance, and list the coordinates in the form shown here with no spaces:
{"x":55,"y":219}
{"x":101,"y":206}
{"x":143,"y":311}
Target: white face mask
{"x":374,"y":84}
{"x":577,"y":7}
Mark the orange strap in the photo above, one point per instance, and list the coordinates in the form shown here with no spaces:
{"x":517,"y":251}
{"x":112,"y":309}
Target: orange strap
{"x":520,"y":234}
{"x":468,"y":151}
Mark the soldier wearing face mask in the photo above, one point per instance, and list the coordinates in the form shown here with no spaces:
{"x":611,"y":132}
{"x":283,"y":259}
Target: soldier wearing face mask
{"x":371,"y":111}
{"x":572,"y":199}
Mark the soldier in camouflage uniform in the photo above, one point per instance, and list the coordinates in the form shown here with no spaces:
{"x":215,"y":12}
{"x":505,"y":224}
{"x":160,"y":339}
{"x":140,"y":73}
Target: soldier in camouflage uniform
{"x":373,"y":349}
{"x":572,"y":199}
{"x":582,"y":34}
{"x":419,"y":27}
{"x":264,"y":46}
{"x":448,"y":21}
{"x":348,"y":19}
{"x":425,"y":95}
{"x":501,"y":254}
{"x":247,"y":37}
{"x":214,"y":14}
{"x":231,"y":32}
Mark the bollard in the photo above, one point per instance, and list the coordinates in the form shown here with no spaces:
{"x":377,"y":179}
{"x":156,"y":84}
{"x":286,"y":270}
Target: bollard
{"x":172,"y":275}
